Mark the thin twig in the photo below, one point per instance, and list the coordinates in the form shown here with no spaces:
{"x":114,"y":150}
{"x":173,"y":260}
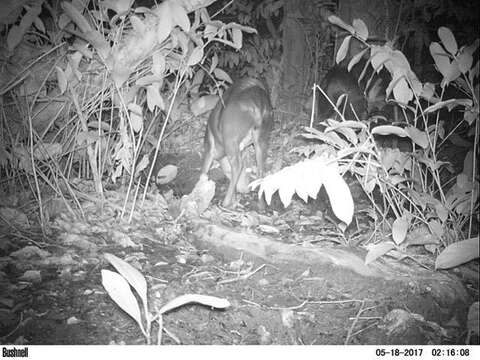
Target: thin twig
{"x":252,"y":303}
{"x":350,"y":330}
{"x":223,"y":8}
{"x":290,"y":307}
{"x":336,"y":302}
{"x":241,"y":277}
{"x":172,"y":335}
{"x":365,"y":328}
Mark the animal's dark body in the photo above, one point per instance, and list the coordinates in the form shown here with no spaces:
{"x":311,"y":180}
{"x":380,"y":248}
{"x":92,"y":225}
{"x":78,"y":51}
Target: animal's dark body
{"x":241,"y":117}
{"x":337,"y":82}
{"x":366,"y":97}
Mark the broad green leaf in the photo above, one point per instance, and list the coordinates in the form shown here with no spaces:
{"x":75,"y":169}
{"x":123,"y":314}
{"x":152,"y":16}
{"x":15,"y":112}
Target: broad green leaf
{"x":338,"y":192}
{"x":339,"y":22}
{"x":379,"y":56}
{"x":449,"y":104}
{"x":39,"y":24}
{"x":132,"y":275}
{"x":212,"y":301}
{"x":243,"y":28}
{"x":468,"y":164}
{"x":154,"y":98}
{"x":441,"y":211}
{"x":142,"y":164}
{"x":351,"y":124}
{"x":165,"y":23}
{"x":471,"y":115}
{"x":222,"y":75}
{"x":399,"y":229}
{"x":343,"y":50}
{"x":370,"y":184}
{"x":64,"y":19}
{"x":377,"y":250}
{"x":418,"y":137}
{"x":360,"y":29}
{"x":458,"y":253}
{"x":197,"y":81}
{"x":388,"y":158}
{"x":355,"y":59}
{"x":179,"y":16}
{"x":306,"y":178}
{"x":465,"y":61}
{"x":210,"y":31}
{"x":287,"y":189}
{"x":214,"y":63}
{"x":349,"y":134}
{"x":449,"y":70}
{"x":237,"y":38}
{"x":428,"y":91}
{"x":453,"y":72}
{"x":448,"y":40}
{"x":436,"y":228}
{"x":61,"y":80}
{"x":120,"y":292}
{"x":389,"y":130}
{"x":136,"y":117}
{"x":158,"y":64}
{"x":464,"y":182}
{"x":14,"y":37}
{"x":401,"y":91}
{"x":196,"y":56}
{"x":440,"y":57}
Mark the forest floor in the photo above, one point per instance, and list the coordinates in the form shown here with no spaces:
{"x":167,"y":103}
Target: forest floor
{"x":52,"y":293}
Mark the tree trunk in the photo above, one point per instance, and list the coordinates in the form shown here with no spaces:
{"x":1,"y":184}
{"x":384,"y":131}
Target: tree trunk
{"x":293,"y":60}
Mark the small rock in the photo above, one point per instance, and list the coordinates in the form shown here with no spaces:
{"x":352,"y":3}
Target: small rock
{"x":72,"y":321}
{"x":79,"y":275}
{"x":32,"y":276}
{"x":181,"y":259}
{"x":267,"y":229}
{"x":265,"y":335}
{"x":288,"y":318}
{"x":207,"y":258}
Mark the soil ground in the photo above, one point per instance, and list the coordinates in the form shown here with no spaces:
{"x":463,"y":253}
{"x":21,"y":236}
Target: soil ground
{"x":295,"y":301}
